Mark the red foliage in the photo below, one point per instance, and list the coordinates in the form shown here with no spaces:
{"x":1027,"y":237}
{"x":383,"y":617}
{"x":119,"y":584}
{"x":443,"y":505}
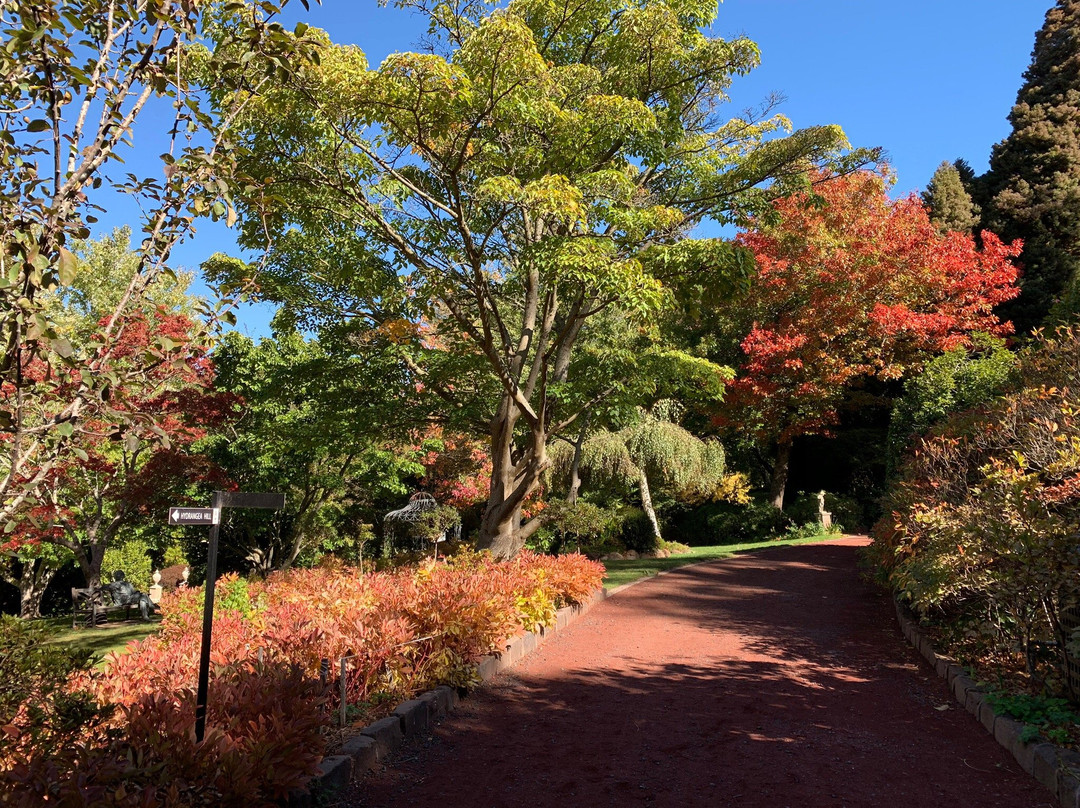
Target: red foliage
{"x":851,"y":285}
{"x":458,"y":472}
{"x":264,"y":738}
{"x":404,"y":630}
{"x":134,"y":437}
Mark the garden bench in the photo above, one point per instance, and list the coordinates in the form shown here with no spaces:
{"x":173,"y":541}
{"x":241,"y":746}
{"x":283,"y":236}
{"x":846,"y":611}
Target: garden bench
{"x":93,"y":605}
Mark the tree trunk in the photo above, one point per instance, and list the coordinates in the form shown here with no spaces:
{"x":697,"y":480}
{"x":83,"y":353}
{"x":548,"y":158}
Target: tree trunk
{"x":780,"y":474}
{"x":501,"y":530}
{"x":575,"y":464}
{"x":90,"y":556}
{"x":647,"y":506}
{"x":36,"y":575}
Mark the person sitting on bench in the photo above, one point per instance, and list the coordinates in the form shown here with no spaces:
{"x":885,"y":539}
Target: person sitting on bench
{"x":124,"y":593}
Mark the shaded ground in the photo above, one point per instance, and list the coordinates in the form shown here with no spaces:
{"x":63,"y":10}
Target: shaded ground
{"x":772,"y":679}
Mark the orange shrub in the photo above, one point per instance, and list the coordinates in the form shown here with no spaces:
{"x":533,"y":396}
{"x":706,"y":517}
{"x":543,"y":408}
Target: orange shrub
{"x":264,"y":738}
{"x":405,"y":630}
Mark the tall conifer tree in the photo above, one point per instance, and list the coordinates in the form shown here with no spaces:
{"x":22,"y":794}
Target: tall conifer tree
{"x":1035,"y":172}
{"x":950,"y":204}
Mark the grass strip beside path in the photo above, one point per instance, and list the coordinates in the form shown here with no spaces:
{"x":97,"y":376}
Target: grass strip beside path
{"x":632,"y":569}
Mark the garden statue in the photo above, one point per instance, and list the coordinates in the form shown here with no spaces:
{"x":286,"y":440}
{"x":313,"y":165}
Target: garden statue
{"x":124,"y":593}
{"x":823,"y":515}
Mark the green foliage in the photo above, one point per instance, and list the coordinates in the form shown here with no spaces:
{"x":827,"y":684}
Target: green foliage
{"x":577,"y":526}
{"x":131,"y":556}
{"x":1050,"y":718}
{"x":174,"y":556}
{"x":435,"y":523}
{"x":557,"y":159}
{"x":635,"y":531}
{"x":38,"y":707}
{"x":957,"y":380}
{"x":233,"y":597}
{"x":680,"y":462}
{"x":846,"y":511}
{"x":671,"y":460}
{"x":319,"y":427}
{"x":949,"y":202}
{"x":105,"y":268}
{"x":720,"y":523}
{"x":808,"y":530}
{"x":1034,"y":176}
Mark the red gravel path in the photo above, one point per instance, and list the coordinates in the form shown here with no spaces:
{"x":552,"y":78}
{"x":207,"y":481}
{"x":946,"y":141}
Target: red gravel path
{"x":773,"y":679}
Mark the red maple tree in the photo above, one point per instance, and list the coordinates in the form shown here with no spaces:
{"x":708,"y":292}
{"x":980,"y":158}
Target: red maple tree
{"x":851,"y":285}
{"x":128,"y":455}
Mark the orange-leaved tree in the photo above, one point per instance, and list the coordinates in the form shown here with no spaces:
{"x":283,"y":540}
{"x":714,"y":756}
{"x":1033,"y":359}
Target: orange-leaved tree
{"x":852,"y":285}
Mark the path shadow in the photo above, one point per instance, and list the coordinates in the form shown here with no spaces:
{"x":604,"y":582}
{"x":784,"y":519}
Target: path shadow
{"x":778,"y":679}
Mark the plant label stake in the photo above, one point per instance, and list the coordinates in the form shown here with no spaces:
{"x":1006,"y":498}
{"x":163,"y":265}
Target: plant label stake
{"x":193,"y":516}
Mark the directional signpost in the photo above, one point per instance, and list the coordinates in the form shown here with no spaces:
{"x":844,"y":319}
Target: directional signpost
{"x":212,"y":517}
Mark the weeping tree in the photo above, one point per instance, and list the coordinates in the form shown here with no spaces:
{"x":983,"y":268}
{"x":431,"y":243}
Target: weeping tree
{"x":654,"y":452}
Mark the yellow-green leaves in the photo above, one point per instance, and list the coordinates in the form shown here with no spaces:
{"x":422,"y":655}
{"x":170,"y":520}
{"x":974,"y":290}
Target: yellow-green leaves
{"x":416,"y":97}
{"x":552,"y":199}
{"x":67,"y":266}
{"x":556,"y":199}
{"x":593,"y":265}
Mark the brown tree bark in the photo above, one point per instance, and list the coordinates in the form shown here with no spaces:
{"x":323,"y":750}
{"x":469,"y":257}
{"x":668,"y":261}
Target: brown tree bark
{"x":32,"y":582}
{"x":780,"y":474}
{"x":501,"y":530}
{"x":575,"y":464}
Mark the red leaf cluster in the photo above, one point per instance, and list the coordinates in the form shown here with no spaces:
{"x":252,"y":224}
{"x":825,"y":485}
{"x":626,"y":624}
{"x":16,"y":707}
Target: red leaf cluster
{"x":852,"y":285}
{"x":413,"y":627}
{"x":458,"y":474}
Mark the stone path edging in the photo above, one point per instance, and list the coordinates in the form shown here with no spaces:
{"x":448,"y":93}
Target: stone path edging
{"x":378,"y":741}
{"x":1056,"y":768}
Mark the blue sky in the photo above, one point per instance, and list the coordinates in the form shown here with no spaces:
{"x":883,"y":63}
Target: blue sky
{"x":928,"y":80}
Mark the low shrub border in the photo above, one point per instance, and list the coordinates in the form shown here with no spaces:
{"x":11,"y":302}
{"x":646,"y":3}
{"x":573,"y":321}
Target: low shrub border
{"x":1056,"y":768}
{"x":379,"y":740}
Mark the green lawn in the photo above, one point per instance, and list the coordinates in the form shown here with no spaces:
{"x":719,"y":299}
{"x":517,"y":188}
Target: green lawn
{"x":109,"y":637}
{"x":623,"y":572}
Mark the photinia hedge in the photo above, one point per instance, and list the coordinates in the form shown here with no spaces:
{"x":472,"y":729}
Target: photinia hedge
{"x":985,"y":516}
{"x":403,"y":631}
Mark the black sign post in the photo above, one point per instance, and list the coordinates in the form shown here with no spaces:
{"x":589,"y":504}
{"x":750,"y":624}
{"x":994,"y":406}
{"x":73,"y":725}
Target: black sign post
{"x":212,"y":516}
{"x":207,"y":622}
